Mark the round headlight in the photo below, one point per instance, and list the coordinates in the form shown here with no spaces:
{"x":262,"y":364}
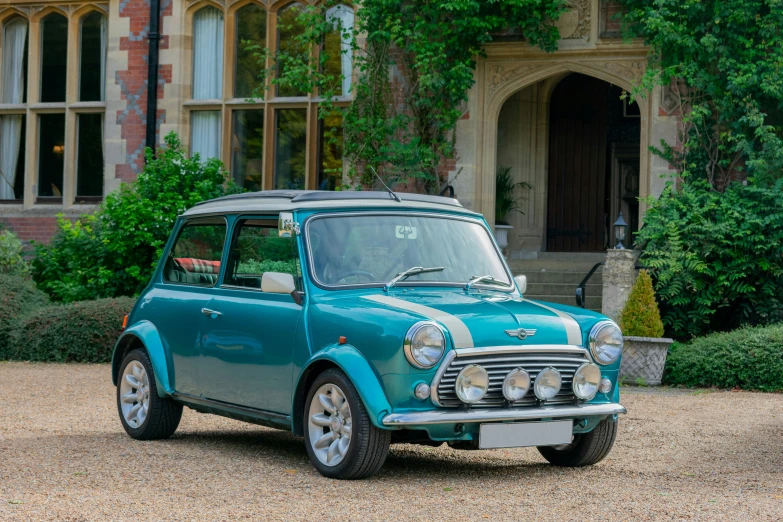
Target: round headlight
{"x":548,"y":382}
{"x":586,"y":381}
{"x":472,"y":383}
{"x":606,"y":342}
{"x":424,"y":345}
{"x":516,"y":384}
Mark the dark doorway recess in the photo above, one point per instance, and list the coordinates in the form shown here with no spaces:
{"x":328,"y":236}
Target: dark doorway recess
{"x":587,"y":124}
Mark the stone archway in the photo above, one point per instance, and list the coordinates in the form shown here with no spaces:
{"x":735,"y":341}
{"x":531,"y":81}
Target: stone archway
{"x":498,"y":79}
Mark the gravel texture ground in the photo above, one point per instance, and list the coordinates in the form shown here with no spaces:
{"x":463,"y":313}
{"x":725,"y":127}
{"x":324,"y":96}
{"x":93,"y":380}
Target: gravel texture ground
{"x":679,"y":455}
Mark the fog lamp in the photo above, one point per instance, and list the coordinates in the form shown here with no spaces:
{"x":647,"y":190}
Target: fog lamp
{"x":422,"y":391}
{"x":586,"y":380}
{"x":472,"y":383}
{"x":548,"y":382}
{"x":516,"y":384}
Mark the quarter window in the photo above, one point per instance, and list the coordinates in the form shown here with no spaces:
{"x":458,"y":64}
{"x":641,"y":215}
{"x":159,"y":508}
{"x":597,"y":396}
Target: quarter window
{"x":257,"y":248}
{"x":195,"y":257}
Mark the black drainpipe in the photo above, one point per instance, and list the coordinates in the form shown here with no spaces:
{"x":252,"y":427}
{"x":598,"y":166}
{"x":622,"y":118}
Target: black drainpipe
{"x":152,"y":74}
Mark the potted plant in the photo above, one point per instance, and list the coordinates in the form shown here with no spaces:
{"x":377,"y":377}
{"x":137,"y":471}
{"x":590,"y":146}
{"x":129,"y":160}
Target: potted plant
{"x":645,"y":348}
{"x":506,"y":202}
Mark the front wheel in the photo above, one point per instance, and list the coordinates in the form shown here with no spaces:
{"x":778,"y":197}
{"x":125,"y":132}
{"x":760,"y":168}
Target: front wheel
{"x":341,"y":440}
{"x":586,"y":449}
{"x":143,"y":414}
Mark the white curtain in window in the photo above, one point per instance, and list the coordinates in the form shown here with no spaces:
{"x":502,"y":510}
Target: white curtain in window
{"x":205,"y":134}
{"x":208,"y":54}
{"x":103,"y":58}
{"x":15,"y":33}
{"x":342,"y":17}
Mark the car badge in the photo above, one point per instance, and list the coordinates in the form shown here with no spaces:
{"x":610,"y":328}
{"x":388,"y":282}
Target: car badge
{"x":521,"y":333}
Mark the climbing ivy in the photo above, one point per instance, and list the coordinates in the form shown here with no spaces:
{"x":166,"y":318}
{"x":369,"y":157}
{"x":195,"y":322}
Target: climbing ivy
{"x":723,"y":63}
{"x":415,"y":62}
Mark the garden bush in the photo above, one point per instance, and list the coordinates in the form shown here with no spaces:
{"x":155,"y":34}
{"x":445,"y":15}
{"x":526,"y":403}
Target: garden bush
{"x":11,"y":255}
{"x":18,"y":297}
{"x":748,"y":358}
{"x":84,"y":331}
{"x":640,"y":316}
{"x":716,"y":257}
{"x":114,"y":252}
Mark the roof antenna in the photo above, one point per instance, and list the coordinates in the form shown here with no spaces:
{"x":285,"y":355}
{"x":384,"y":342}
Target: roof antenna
{"x":391,"y":192}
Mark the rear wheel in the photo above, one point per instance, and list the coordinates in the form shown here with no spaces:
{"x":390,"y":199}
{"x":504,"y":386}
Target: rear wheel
{"x":341,"y":440}
{"x":586,"y":449}
{"x":143,"y":414}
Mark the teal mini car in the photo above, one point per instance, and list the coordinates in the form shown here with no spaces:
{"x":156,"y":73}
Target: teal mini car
{"x":357,"y":320}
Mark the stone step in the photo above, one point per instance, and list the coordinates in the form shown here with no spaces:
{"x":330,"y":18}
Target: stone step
{"x":562,"y":288}
{"x":593,"y":302}
{"x":572,"y":278}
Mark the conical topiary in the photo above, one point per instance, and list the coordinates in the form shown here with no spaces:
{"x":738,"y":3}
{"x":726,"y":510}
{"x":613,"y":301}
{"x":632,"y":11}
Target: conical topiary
{"x":640,"y":316}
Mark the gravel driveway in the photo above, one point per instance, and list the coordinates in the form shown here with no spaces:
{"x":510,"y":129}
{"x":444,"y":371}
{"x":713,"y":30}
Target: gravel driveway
{"x":679,"y":455}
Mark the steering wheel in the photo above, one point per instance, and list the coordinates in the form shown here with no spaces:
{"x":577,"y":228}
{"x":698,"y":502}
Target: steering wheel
{"x":357,"y":273}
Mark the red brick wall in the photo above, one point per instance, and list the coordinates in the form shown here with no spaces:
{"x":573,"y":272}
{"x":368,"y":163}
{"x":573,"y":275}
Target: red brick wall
{"x":133,"y":83}
{"x":610,"y":24}
{"x":38,"y":228}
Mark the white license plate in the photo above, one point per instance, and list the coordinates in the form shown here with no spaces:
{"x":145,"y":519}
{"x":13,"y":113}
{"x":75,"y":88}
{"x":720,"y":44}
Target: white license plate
{"x":525,"y":434}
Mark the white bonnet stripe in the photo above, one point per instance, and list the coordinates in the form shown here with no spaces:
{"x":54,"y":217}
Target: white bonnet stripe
{"x":573,"y":331}
{"x":459,"y":330}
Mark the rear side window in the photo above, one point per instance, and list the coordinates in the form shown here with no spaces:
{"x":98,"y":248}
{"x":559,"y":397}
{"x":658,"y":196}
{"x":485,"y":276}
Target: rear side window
{"x":258,"y":248}
{"x":195,"y":258}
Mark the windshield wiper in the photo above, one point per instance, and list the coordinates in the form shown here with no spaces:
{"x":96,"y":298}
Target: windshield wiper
{"x":485,"y":279}
{"x":411,"y":272}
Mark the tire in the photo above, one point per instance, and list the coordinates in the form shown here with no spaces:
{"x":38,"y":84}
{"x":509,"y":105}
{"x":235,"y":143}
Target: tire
{"x":159,"y":417}
{"x":325,"y":424}
{"x":586,"y":449}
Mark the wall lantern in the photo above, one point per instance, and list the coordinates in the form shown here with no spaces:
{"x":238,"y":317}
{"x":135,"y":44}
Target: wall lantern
{"x":620,"y":228}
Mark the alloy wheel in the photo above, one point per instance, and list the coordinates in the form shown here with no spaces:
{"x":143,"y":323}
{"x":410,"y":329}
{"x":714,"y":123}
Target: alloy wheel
{"x":134,"y":394}
{"x":329,"y":424}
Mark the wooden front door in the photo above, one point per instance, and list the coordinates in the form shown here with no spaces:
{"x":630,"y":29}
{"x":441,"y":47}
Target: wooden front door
{"x":576,"y":201}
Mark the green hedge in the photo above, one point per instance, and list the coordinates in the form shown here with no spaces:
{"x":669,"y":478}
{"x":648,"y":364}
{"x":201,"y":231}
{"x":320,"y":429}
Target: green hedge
{"x":84,"y":331}
{"x":749,"y":358}
{"x":18,"y":297}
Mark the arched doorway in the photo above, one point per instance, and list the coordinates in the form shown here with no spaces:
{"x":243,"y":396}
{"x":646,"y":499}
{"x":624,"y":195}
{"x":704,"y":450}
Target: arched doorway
{"x":576,"y":144}
{"x":593,"y":164}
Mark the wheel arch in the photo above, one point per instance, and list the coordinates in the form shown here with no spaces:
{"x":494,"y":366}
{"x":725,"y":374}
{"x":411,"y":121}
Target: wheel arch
{"x":144,"y":335}
{"x":351,"y":362}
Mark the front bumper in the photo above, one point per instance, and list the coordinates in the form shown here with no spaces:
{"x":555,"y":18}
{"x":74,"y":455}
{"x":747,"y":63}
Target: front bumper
{"x":424,"y":418}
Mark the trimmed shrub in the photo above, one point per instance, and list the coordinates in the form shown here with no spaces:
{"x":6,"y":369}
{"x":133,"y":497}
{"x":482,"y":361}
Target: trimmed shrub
{"x":18,"y":297}
{"x":84,"y":331}
{"x":11,"y":260}
{"x":640,"y":316}
{"x":749,"y":358}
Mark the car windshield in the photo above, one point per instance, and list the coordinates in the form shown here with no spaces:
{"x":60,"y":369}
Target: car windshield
{"x":374,"y":248}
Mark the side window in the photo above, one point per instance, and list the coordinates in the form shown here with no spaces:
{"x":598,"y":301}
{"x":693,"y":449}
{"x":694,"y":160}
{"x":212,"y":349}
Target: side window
{"x":195,"y":258}
{"x":257,"y":248}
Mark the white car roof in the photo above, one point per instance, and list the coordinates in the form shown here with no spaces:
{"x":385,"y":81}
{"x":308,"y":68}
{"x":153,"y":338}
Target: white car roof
{"x":289,"y":200}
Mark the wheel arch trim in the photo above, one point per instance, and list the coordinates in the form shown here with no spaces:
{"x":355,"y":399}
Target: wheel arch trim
{"x":348,"y":359}
{"x":146,"y":334}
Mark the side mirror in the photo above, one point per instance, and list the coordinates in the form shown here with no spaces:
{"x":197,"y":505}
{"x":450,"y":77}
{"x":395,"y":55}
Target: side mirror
{"x":521,"y":282}
{"x":277,"y":283}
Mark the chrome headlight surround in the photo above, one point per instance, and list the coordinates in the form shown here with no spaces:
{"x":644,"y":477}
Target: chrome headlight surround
{"x":420,"y":350}
{"x":606,"y":342}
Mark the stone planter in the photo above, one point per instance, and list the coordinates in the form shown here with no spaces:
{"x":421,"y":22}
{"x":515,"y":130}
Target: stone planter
{"x":644,"y":358}
{"x":501,"y":235}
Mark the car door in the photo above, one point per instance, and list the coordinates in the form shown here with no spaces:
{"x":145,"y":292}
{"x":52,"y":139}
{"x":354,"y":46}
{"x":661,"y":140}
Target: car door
{"x":188,"y":283}
{"x":249,"y":344}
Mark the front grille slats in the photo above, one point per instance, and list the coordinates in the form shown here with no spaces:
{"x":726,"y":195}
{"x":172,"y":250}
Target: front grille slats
{"x":498,"y":366}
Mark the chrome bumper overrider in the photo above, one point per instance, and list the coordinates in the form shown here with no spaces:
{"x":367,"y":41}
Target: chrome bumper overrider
{"x":495,"y":415}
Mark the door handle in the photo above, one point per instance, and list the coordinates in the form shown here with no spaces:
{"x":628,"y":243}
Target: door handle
{"x":214,"y":314}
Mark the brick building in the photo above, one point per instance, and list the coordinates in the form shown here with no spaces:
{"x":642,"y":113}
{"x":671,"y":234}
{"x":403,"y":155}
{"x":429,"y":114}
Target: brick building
{"x":74,"y":104}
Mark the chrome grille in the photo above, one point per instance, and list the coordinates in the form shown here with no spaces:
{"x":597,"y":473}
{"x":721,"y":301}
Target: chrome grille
{"x":498,"y":366}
